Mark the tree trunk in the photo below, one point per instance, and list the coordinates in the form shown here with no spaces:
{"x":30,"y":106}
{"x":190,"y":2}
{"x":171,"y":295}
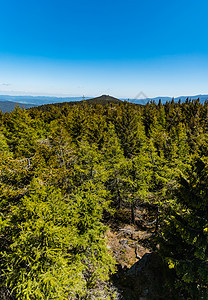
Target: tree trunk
{"x":132,"y":214}
{"x":157,"y":220}
{"x":118,"y":195}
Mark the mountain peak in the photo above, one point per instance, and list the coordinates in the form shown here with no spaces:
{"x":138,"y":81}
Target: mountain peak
{"x":104,"y":99}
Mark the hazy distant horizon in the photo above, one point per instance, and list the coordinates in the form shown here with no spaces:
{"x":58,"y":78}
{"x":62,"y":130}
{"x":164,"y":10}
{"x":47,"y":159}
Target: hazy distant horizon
{"x":122,"y":80}
{"x":94,"y":96}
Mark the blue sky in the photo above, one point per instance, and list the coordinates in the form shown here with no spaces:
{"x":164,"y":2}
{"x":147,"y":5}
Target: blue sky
{"x":103,"y":47}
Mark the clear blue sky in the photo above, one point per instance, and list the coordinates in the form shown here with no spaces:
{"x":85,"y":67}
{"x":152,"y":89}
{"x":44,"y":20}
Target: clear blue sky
{"x":104,"y":47}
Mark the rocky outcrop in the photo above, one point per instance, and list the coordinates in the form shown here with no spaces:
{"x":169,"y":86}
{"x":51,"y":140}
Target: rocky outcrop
{"x":147,"y":279}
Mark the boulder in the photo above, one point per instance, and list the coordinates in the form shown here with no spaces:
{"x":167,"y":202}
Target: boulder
{"x":148,"y":279}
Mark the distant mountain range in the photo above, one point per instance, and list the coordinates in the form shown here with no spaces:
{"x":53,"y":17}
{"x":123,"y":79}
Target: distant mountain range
{"x":202,"y":99}
{"x":7,"y":103}
{"x":39,"y":100}
{"x":8,"y":106}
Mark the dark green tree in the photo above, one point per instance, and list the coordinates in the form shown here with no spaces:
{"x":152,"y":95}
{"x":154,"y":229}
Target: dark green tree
{"x":184,"y":240}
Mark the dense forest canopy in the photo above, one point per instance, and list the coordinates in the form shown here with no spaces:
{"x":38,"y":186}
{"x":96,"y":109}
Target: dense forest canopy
{"x":65,"y":169}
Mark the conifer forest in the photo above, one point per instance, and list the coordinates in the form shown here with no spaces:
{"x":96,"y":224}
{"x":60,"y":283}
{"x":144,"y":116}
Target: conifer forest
{"x":69,"y":173}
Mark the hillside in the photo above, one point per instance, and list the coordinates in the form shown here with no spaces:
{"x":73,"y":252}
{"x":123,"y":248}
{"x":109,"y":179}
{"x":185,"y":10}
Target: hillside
{"x":104,"y":202}
{"x":39,"y":100}
{"x":103,"y":100}
{"x":8,"y":106}
{"x":44,"y":100}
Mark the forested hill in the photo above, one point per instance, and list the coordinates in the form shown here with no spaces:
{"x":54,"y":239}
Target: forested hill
{"x":70,"y":176}
{"x":103,"y":100}
{"x":8,"y":106}
{"x":7,"y":103}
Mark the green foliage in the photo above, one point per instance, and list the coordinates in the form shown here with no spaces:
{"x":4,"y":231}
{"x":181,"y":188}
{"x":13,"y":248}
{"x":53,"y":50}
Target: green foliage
{"x":56,"y":245}
{"x":37,"y":263}
{"x":129,"y":129}
{"x":4,"y":148}
{"x":21,"y":132}
{"x":64,"y":168}
{"x":184,"y":241}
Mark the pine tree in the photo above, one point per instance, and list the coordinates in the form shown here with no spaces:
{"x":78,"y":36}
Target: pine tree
{"x":53,"y":246}
{"x":21,"y":132}
{"x":4,"y":148}
{"x":184,"y":240}
{"x":129,"y":129}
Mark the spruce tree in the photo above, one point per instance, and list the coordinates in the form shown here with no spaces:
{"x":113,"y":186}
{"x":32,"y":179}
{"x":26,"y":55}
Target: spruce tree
{"x":53,"y":247}
{"x":184,"y":240}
